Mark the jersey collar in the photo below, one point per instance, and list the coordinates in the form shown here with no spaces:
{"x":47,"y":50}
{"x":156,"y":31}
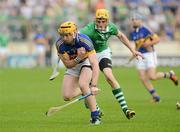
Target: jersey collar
{"x":107,"y":29}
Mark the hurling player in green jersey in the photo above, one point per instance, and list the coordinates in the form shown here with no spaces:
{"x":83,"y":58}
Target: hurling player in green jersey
{"x":99,"y":31}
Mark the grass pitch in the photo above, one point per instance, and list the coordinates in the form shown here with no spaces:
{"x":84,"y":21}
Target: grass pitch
{"x":26,"y":94}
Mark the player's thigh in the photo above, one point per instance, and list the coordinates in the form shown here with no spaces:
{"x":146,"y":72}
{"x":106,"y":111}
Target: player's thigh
{"x":151,"y":72}
{"x":151,"y":60}
{"x":143,"y":74}
{"x":140,"y":64}
{"x":85,"y":77}
{"x":70,"y":85}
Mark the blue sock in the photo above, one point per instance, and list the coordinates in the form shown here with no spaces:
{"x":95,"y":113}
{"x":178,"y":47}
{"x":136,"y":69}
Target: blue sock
{"x":94,"y":114}
{"x":157,"y":98}
{"x":152,"y":91}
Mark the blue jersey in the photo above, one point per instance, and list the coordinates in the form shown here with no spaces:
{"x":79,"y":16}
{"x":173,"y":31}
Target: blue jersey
{"x":140,"y":33}
{"x":81,"y":40}
{"x":38,"y":37}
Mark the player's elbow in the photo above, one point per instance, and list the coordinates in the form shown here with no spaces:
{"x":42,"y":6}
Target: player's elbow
{"x":69,"y":66}
{"x":95,"y":65}
{"x":157,"y":40}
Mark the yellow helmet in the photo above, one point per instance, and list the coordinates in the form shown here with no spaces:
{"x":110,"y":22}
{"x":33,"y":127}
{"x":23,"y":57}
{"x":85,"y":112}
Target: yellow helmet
{"x":102,"y":13}
{"x":67,"y":27}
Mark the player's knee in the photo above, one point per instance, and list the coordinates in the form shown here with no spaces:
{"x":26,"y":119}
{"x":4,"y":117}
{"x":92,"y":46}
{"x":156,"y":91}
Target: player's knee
{"x":67,"y":97}
{"x":83,"y":84}
{"x":152,"y":77}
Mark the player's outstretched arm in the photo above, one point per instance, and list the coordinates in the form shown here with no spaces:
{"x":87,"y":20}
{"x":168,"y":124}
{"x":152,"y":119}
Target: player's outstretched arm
{"x":122,"y":37}
{"x":95,"y":72}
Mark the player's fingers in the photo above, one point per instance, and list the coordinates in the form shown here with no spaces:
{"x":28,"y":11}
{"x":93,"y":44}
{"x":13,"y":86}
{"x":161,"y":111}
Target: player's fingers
{"x":94,"y":90}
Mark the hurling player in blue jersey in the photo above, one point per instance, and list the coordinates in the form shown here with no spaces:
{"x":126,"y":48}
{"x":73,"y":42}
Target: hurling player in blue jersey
{"x":145,"y":40}
{"x":79,"y":57}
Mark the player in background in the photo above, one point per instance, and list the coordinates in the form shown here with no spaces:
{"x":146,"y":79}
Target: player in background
{"x":99,"y":31}
{"x":77,"y":53}
{"x":145,"y":40}
{"x":41,"y":44}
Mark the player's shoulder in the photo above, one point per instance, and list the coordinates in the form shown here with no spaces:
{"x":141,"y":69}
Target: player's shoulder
{"x":146,"y":28}
{"x":83,"y":37}
{"x":113,"y":28}
{"x":84,"y":40}
{"x":59,"y":43}
{"x":111,"y":24}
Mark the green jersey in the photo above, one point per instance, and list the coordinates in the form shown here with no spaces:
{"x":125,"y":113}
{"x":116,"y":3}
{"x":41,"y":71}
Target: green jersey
{"x":100,"y":39}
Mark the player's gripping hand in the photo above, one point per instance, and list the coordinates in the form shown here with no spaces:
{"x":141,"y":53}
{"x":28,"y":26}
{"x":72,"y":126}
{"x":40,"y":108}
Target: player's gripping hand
{"x":94,"y":90}
{"x":137,"y":54}
{"x":81,"y":53}
{"x":145,"y":45}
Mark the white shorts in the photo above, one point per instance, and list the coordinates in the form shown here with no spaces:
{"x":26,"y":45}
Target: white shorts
{"x":149,"y":61}
{"x":40,"y":48}
{"x":104,"y":54}
{"x":75,"y":71}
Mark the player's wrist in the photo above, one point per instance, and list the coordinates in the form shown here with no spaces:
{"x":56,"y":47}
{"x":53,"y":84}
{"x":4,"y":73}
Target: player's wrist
{"x":77,"y":59}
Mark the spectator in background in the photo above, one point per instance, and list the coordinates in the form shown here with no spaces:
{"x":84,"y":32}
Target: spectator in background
{"x":50,"y":38}
{"x":42,"y":46}
{"x":26,"y":10}
{"x":100,"y":4}
{"x":29,"y":12}
{"x":169,"y":26}
{"x":4,"y":41}
{"x":177,"y":25}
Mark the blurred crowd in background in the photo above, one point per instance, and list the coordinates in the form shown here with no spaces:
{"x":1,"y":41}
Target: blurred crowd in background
{"x":24,"y":20}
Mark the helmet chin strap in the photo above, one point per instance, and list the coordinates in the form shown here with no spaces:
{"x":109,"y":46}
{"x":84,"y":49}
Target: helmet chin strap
{"x":74,"y":35}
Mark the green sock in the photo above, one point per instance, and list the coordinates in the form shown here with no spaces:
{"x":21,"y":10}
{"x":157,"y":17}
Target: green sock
{"x":120,"y":98}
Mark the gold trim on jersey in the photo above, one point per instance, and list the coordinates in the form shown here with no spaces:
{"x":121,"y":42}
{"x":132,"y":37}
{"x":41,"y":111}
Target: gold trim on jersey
{"x":91,"y":52}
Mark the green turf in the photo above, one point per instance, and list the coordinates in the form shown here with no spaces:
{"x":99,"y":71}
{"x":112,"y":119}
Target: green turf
{"x":26,"y":94}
